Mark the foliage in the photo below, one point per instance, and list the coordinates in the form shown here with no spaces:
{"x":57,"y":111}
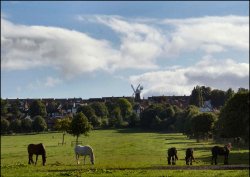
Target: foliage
{"x":26,"y":125}
{"x":189,"y":114}
{"x":63,"y":124}
{"x":95,"y":121}
{"x":234,"y":117}
{"x":37,"y":108}
{"x":4,"y":125}
{"x":79,"y":125}
{"x":218,"y":98}
{"x":116,"y":119}
{"x":4,"y":109}
{"x":196,"y":97}
{"x":100,"y":109}
{"x":87,"y":110}
{"x":15,"y":126}
{"x":125,"y":107}
{"x":203,"y":125}
{"x":39,"y":124}
{"x":51,"y":107}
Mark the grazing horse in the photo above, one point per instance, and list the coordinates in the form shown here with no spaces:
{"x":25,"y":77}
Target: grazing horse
{"x":172,"y":156}
{"x":37,"y":149}
{"x":216,"y":150}
{"x":84,"y":151}
{"x":189,"y":156}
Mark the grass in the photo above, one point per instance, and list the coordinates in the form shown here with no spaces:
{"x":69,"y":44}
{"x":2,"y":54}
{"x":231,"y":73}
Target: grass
{"x":117,"y":153}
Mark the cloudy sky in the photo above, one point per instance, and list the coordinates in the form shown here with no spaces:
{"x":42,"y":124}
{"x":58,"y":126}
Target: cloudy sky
{"x":97,"y":49}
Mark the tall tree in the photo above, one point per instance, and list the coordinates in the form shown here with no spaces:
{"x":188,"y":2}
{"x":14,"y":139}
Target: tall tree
{"x":196,"y":97}
{"x":125,"y":107}
{"x":100,"y":109}
{"x":37,"y":108}
{"x":203,"y":125}
{"x":39,"y":124}
{"x":87,"y":110}
{"x":26,"y":125}
{"x":79,"y":125}
{"x":234,"y":117}
{"x":218,"y":98}
{"x":4,"y":109}
{"x":4,"y":125}
{"x":63,"y":125}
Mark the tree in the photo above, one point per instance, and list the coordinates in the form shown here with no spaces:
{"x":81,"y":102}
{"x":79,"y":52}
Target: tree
{"x":203,"y":125}
{"x":37,"y":108}
{"x":4,"y":125}
{"x":15,"y":109}
{"x":229,"y":94}
{"x":39,"y":124}
{"x":87,"y":110}
{"x":125,"y":107}
{"x":206,"y":93}
{"x":63,"y":125}
{"x":234,"y":117}
{"x":15,"y":126}
{"x":100,"y":109}
{"x":116,"y":118}
{"x":51,"y":107}
{"x":79,"y":125}
{"x":4,"y":109}
{"x":190,"y":112}
{"x":196,"y":97}
{"x":26,"y":125}
{"x":218,"y":98}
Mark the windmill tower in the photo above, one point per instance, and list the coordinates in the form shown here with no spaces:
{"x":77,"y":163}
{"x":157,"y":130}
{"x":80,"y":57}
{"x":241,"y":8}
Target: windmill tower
{"x":137,"y":92}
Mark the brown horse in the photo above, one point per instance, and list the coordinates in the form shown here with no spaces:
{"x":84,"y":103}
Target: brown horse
{"x":37,"y":149}
{"x":223,"y":151}
{"x":172,"y":156}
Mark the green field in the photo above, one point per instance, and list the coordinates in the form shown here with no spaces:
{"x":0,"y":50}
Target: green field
{"x":117,"y":153}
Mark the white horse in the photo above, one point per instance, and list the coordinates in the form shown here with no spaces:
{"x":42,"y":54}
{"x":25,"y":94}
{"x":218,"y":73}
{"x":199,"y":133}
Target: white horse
{"x":84,"y":151}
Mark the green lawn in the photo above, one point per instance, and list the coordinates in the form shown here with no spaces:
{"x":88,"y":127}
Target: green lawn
{"x":117,"y":153}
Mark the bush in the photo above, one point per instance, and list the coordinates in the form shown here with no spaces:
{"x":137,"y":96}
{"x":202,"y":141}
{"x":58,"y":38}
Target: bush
{"x":4,"y":126}
{"x":39,"y":124}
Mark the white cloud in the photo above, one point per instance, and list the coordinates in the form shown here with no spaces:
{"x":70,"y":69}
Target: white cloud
{"x":52,"y":82}
{"x":180,"y":81}
{"x":211,"y":34}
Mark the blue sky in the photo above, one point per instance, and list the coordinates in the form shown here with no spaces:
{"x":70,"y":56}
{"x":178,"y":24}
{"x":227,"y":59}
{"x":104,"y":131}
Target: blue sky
{"x":97,"y":49}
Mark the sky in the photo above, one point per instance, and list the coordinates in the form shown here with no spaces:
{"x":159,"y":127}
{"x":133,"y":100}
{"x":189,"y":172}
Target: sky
{"x":98,"y":49}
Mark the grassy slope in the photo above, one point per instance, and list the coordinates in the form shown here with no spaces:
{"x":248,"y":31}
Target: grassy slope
{"x":117,"y":152}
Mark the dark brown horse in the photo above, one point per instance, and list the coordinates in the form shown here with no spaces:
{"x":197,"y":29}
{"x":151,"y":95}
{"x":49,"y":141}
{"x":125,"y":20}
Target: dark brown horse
{"x":189,"y":156}
{"x":223,"y":151}
{"x":37,"y":149}
{"x":172,"y":156}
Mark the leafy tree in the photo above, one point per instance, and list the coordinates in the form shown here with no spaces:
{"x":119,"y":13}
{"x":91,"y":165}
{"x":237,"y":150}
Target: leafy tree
{"x":234,"y":117}
{"x":63,"y":125}
{"x":4,"y":109}
{"x":229,"y":94}
{"x":149,"y":114}
{"x":51,"y":107}
{"x":242,"y":90}
{"x":203,"y":125}
{"x":15,"y":109}
{"x":125,"y":107}
{"x":95,"y":121}
{"x":134,"y":120}
{"x":190,"y":112}
{"x":80,"y":125}
{"x":26,"y":125}
{"x":116,"y":118}
{"x":100,"y":109}
{"x":196,"y":97}
{"x":4,"y":125}
{"x":206,"y":93}
{"x":87,"y":110}
{"x":39,"y":124}
{"x":218,"y":98}
{"x":37,"y":108}
{"x":15,"y":126}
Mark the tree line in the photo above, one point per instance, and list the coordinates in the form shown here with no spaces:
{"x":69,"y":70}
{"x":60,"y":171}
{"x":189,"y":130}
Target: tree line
{"x":231,"y":118}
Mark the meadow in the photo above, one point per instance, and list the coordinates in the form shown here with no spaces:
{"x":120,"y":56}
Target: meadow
{"x":122,"y":152}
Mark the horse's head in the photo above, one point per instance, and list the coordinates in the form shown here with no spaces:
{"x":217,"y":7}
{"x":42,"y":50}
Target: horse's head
{"x":44,"y":158}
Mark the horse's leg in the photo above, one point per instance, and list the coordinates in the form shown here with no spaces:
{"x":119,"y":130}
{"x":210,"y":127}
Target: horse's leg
{"x":212,"y":160}
{"x":29,"y":159}
{"x":169,"y":158}
{"x":36,"y":159}
{"x":191,"y":161}
{"x":84,"y":159}
{"x":77,"y":158}
{"x":225,"y":160}
{"x":215,"y":160}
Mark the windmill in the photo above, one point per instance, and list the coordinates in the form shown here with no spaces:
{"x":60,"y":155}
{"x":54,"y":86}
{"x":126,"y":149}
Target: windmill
{"x":137,"y":92}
